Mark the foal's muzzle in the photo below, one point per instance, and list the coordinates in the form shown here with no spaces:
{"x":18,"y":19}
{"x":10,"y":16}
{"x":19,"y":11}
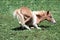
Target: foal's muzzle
{"x":53,"y":20}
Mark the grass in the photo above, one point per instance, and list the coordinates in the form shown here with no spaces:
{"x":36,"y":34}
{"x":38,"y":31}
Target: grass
{"x":7,"y":22}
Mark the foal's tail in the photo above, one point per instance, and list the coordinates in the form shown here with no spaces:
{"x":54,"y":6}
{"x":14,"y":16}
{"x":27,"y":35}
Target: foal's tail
{"x":14,"y":13}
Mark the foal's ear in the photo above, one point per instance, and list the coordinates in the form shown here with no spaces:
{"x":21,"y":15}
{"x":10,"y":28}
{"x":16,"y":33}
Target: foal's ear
{"x":47,"y":12}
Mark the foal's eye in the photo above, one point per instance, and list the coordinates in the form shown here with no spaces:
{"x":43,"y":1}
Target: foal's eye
{"x":50,"y":16}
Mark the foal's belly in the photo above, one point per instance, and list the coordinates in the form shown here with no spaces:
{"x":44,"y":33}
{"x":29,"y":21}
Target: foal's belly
{"x":29,"y":22}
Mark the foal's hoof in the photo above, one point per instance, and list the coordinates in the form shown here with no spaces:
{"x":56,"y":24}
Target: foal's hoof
{"x":39,"y":28}
{"x":32,"y":27}
{"x":29,"y":29}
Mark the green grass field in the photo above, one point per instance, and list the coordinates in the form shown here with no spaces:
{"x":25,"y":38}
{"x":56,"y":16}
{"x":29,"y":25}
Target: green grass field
{"x":7,"y":22}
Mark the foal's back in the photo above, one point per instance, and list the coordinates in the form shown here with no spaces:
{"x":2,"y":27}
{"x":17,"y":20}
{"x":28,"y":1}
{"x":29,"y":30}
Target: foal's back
{"x":25,"y":11}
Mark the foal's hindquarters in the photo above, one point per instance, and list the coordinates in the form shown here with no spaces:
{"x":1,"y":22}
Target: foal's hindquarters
{"x":22,"y":14}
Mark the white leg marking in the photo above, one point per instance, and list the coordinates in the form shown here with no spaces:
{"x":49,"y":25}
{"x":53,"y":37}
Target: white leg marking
{"x":36,"y":26}
{"x":26,"y":26}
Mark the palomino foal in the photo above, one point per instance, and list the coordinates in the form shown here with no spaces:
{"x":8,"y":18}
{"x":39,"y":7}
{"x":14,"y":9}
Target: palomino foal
{"x":23,"y":15}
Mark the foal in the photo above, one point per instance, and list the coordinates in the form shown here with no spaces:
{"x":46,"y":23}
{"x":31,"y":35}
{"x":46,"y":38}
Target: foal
{"x":25,"y":15}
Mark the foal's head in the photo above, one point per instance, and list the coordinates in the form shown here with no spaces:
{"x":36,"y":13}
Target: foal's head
{"x":49,"y":17}
{"x":46,"y":15}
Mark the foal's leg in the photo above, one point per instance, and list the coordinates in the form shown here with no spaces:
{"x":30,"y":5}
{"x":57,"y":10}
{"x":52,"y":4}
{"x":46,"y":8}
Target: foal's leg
{"x":26,"y":26}
{"x":36,"y":26}
{"x":34,"y":21}
{"x":22,"y":22}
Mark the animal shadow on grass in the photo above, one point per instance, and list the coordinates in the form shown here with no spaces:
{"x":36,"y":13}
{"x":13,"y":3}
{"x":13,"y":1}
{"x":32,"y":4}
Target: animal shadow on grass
{"x":23,"y":28}
{"x":19,"y":28}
